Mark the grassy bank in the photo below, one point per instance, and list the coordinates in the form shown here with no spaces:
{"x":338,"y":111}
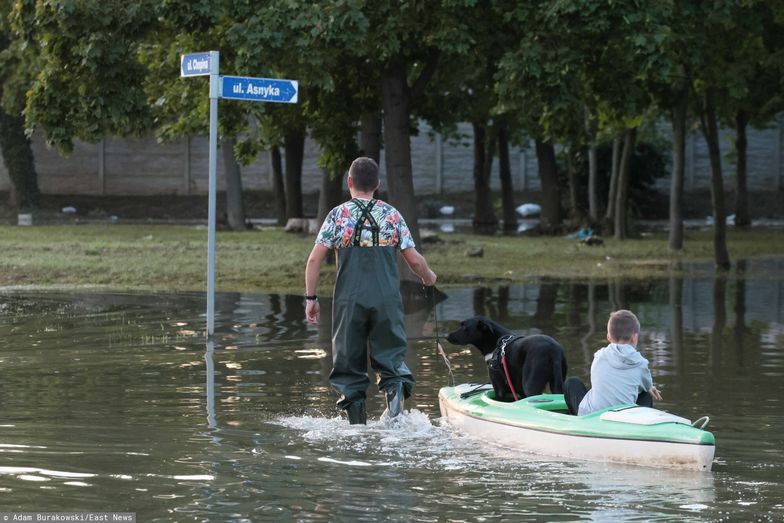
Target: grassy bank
{"x":154,"y":257}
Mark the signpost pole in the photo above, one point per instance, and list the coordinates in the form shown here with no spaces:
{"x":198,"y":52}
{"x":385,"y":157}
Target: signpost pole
{"x":213,"y":189}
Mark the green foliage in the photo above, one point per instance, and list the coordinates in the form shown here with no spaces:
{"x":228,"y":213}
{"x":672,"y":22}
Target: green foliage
{"x":574,"y":56}
{"x":89,"y":82}
{"x":91,"y":68}
{"x":283,"y":40}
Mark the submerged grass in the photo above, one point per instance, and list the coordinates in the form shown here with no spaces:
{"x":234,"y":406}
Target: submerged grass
{"x":173,"y":258}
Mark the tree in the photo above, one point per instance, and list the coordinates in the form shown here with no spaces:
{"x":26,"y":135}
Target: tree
{"x":180,"y":107}
{"x":107,"y":69}
{"x":17,"y":67}
{"x":572,"y":58}
{"x":90,"y":82}
{"x":337,"y":86}
{"x":464,"y":92}
{"x":670,"y":87}
{"x":404,"y":44}
{"x":624,"y":172}
{"x":593,"y":197}
{"x":754,"y":71}
{"x":710,"y":84}
{"x":679,"y":115}
{"x":710,"y":130}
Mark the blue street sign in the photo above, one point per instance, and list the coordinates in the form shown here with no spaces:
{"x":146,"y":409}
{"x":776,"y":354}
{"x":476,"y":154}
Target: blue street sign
{"x":259,"y":89}
{"x":195,"y":64}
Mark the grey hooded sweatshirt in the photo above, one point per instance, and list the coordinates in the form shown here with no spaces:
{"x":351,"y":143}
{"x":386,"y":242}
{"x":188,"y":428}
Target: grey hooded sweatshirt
{"x":618,"y":375}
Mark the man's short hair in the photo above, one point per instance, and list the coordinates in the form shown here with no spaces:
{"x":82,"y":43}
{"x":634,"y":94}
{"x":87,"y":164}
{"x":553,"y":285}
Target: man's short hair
{"x":622,"y":325}
{"x":364,"y":173}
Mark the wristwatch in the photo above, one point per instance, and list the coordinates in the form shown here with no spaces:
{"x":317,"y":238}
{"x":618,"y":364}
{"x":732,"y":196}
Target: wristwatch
{"x":311,"y":298}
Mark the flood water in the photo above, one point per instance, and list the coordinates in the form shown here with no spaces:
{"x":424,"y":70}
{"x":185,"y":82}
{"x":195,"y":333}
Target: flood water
{"x":113,"y":402}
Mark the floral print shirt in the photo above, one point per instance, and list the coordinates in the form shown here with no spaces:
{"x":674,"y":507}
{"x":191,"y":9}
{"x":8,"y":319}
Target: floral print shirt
{"x":337,"y":231}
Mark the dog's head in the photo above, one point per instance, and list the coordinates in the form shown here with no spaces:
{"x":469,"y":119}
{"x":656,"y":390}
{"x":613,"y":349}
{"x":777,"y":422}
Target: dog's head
{"x":478,"y":331}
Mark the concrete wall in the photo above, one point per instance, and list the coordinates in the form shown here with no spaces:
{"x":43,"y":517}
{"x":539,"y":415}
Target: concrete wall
{"x":144,"y":167}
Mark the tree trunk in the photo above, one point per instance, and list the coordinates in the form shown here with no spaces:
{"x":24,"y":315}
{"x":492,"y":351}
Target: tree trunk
{"x":711,"y":131}
{"x":235,"y":211}
{"x":484,"y":216}
{"x":18,"y":156}
{"x":593,"y":175}
{"x":742,"y":217}
{"x":397,"y":143}
{"x":509,"y":213}
{"x":593,"y":169}
{"x":571,"y":170}
{"x":609,"y":215}
{"x":370,"y":136}
{"x":678,"y":169}
{"x":294,"y":141}
{"x":331,"y":193}
{"x":624,"y":177}
{"x":278,"y":188}
{"x":550,"y":217}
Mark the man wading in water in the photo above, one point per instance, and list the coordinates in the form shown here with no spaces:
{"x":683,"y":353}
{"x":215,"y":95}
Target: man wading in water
{"x":367,"y":311}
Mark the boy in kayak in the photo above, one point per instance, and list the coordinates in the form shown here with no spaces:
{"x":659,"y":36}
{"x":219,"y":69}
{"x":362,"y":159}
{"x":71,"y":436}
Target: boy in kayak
{"x":367,"y":311}
{"x":619,"y":373}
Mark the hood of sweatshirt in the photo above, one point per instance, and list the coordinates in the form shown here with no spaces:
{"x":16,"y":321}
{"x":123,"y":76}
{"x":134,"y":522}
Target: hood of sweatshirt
{"x":621,"y":356}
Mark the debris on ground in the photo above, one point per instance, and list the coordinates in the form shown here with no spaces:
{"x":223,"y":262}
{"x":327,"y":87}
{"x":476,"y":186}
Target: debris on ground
{"x":593,"y":241}
{"x":306,"y":225}
{"x":581,"y":234}
{"x":428,"y":236}
{"x":529,"y":209}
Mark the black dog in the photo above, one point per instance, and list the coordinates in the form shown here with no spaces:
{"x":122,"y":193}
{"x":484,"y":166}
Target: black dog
{"x":532,"y":361}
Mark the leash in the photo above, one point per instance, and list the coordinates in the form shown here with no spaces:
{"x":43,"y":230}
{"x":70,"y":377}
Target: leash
{"x":439,"y":348}
{"x":504,"y":341}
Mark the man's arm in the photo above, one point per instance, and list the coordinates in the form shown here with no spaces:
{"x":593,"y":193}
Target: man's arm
{"x":417,"y":263}
{"x":312,"y":273}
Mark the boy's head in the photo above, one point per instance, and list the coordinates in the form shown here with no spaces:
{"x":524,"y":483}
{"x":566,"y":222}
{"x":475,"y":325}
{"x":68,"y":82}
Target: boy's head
{"x":363,"y":174}
{"x":623,"y":327}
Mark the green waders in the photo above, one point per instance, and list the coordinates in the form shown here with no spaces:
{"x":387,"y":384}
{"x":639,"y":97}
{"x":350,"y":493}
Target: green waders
{"x":367,"y":314}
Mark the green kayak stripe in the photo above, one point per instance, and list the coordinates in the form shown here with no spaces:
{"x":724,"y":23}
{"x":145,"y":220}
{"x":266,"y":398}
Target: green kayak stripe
{"x":584,"y":435}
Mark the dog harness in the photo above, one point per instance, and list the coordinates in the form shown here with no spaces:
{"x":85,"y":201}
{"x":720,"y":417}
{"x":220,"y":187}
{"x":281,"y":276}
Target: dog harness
{"x":501,"y":350}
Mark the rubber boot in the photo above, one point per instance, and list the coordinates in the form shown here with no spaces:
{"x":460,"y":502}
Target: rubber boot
{"x":356,"y":413}
{"x":394,"y":397}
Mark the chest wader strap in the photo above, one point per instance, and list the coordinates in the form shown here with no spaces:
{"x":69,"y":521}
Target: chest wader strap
{"x":365,"y":217}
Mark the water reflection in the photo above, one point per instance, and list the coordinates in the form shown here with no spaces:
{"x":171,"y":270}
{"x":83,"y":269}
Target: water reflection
{"x":740,"y":312}
{"x":116,"y":397}
{"x":209,"y":358}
